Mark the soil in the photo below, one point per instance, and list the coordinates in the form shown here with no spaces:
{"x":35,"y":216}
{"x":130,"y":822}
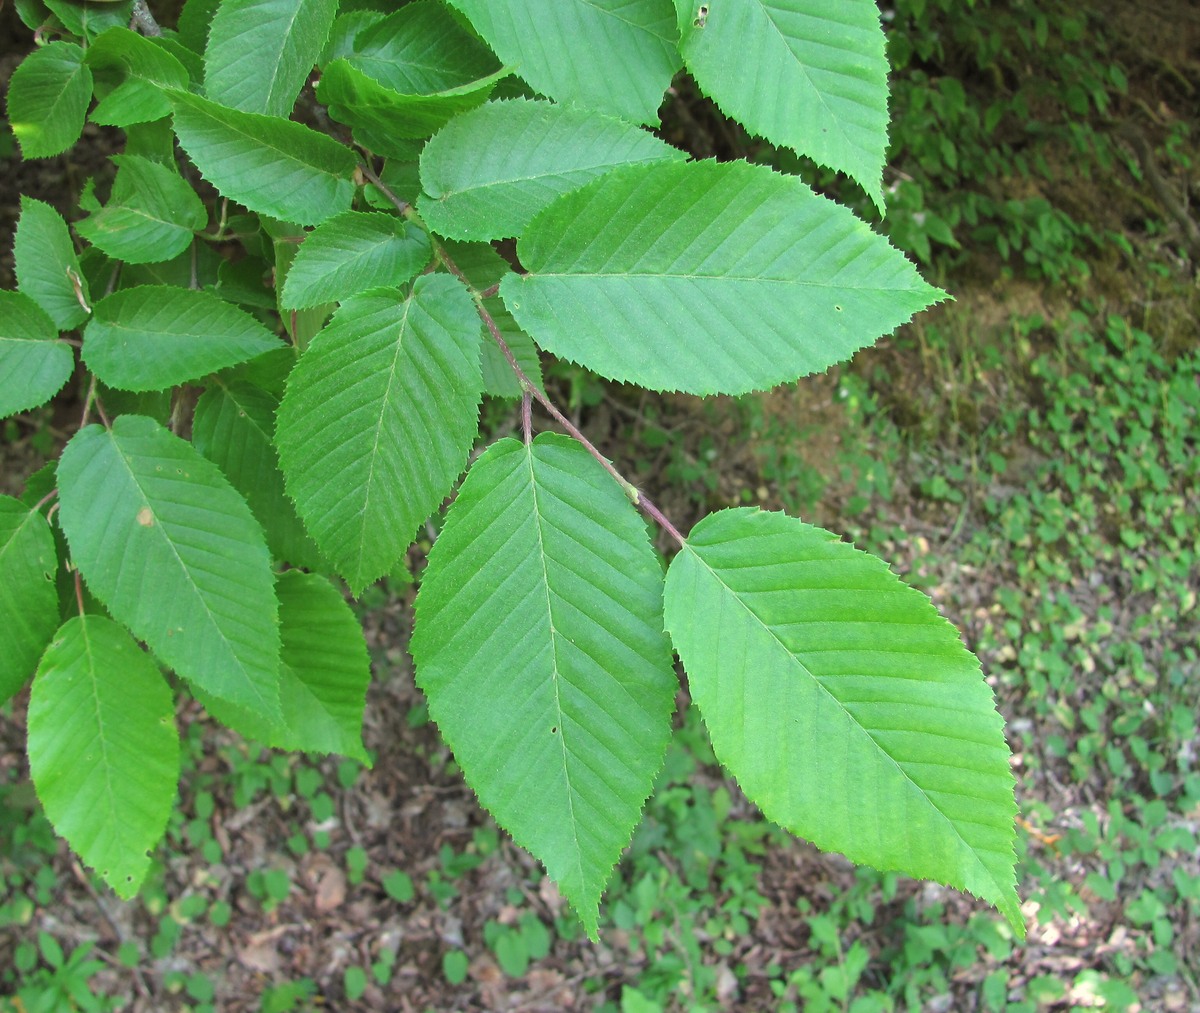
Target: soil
{"x":413,"y":803}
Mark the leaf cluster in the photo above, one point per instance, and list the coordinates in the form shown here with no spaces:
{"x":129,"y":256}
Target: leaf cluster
{"x":284,"y":384}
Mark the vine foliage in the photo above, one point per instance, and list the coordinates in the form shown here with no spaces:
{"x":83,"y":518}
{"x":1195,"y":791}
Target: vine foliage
{"x":282,"y":319}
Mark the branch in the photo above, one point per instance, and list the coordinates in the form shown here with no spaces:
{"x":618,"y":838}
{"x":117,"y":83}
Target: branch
{"x":144,"y":19}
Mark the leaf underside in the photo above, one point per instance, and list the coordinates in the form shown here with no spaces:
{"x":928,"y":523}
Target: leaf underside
{"x":538,"y":641}
{"x":388,"y":117}
{"x":846,"y":707}
{"x":407,"y":74}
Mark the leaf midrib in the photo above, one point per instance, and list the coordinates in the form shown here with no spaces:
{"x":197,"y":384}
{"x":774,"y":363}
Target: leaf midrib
{"x":555,"y":677}
{"x":114,"y":808}
{"x":566,"y":173}
{"x":385,"y":408}
{"x":671,"y":276}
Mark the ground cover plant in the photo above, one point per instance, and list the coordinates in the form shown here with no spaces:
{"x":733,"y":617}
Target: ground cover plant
{"x":286,"y":331}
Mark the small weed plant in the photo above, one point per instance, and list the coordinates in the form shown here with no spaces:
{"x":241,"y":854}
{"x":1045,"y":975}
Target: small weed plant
{"x":279,"y":322}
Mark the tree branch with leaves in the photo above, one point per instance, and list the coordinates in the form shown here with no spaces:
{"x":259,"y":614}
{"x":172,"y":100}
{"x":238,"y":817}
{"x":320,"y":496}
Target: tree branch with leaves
{"x":341,"y":327}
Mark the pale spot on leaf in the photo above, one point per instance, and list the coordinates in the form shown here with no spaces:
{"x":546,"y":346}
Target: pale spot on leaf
{"x":145,"y":517}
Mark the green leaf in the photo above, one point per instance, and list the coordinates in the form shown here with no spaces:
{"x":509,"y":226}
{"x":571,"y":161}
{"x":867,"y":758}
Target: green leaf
{"x":538,"y":641}
{"x":324,"y":672}
{"x":260,"y":52}
{"x":234,"y":427}
{"x":48,"y":97}
{"x":806,"y":74}
{"x":405,"y":75}
{"x":150,"y":217}
{"x":155,"y":404}
{"x":194,"y":21}
{"x":422,"y":49}
{"x":285,"y":239}
{"x":132,"y":75}
{"x":172,"y":550}
{"x":28,"y":597}
{"x":154,"y":140}
{"x":377,"y":421}
{"x":89,"y":19}
{"x":33,"y":363}
{"x":270,"y":165}
{"x":247,"y":282}
{"x":345,"y":31}
{"x":157,"y":336}
{"x":617,"y":56}
{"x":707,"y":278}
{"x":40,"y":484}
{"x":489,"y":171}
{"x":846,"y":707}
{"x":103,"y":749}
{"x":351,"y":253}
{"x":46,"y":265}
{"x":483,"y":268}
{"x":357,"y":99}
{"x":268,"y":372}
{"x":192,"y":61}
